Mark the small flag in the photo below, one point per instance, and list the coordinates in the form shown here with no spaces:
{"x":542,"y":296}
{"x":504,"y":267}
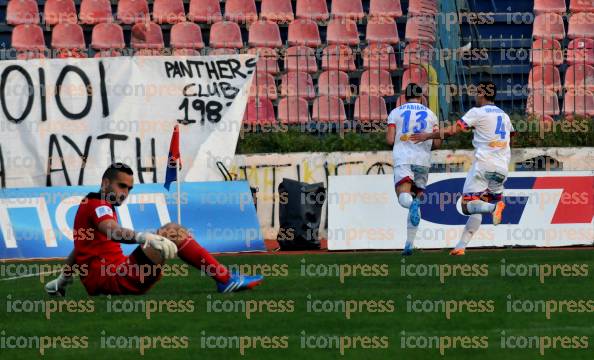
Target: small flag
{"x":174,"y":157}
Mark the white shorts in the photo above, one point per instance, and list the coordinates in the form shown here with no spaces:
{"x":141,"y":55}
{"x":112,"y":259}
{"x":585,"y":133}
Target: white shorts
{"x":415,"y":173}
{"x":480,"y":182}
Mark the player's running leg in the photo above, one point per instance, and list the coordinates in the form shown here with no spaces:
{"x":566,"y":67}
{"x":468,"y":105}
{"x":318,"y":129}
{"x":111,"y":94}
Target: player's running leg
{"x":406,"y":200}
{"x":474,"y":206}
{"x":57,"y":287}
{"x":193,"y":254}
{"x":472,"y":226}
{"x":404,"y":183}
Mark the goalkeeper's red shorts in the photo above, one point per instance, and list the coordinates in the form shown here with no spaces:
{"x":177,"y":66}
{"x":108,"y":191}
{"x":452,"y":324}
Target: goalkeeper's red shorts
{"x":129,"y":275}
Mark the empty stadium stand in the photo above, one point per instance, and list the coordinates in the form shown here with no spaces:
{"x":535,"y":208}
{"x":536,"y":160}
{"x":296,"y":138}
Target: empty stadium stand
{"x":338,"y":60}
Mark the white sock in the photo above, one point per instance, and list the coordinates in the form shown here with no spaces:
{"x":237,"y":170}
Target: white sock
{"x":411,"y":233}
{"x":405,"y":199}
{"x":480,"y":207}
{"x":64,"y":280}
{"x":472,"y":226}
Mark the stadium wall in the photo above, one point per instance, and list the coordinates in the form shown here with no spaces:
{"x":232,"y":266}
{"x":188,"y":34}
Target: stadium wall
{"x":266,"y":171}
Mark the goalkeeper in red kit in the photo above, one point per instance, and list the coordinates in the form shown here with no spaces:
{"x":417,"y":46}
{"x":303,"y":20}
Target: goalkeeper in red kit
{"x":97,"y":249}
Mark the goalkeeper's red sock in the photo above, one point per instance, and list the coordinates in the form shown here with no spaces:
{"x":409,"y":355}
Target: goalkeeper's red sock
{"x":192,"y":253}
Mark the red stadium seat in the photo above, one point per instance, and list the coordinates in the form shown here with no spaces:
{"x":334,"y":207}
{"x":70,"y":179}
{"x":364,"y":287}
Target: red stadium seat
{"x":304,"y":32}
{"x":379,"y":57}
{"x":242,"y":11}
{"x":578,"y":102}
{"x":422,"y":7}
{"x":546,"y":52}
{"x":390,"y":8}
{"x":267,"y":59}
{"x":312,"y":9}
{"x":95,"y":11}
{"x":168,"y":11}
{"x":328,"y":109}
{"x":59,"y":11}
{"x":205,"y":11}
{"x":370,"y":109}
{"x":581,"y":25}
{"x":259,"y":111}
{"x":548,"y":26}
{"x":342,"y":31}
{"x":334,"y":83}
{"x":338,"y":57}
{"x":301,"y":58}
{"x":133,"y":11}
{"x":263,"y":85}
{"x":68,"y":36}
{"x":225,"y":34}
{"x":549,"y":6}
{"x":421,"y":29}
{"x":350,"y":9}
{"x":153,"y":42}
{"x":28,"y":37}
{"x":543,"y":103}
{"x":22,"y":12}
{"x":580,"y":51}
{"x":277,"y":11}
{"x":376,"y":82}
{"x":186,"y":35}
{"x":417,"y":75}
{"x":265,"y":33}
{"x":107,"y":36}
{"x":544,"y":77}
{"x":299,"y":84}
{"x":576,"y":6}
{"x":293,"y":110}
{"x":402,"y":100}
{"x":417,"y":53}
{"x":69,"y":40}
{"x":382,"y":30}
{"x":580,"y":76}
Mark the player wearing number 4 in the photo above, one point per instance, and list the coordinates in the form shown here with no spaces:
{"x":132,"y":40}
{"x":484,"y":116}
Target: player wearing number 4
{"x":484,"y":182}
{"x":411,"y":160}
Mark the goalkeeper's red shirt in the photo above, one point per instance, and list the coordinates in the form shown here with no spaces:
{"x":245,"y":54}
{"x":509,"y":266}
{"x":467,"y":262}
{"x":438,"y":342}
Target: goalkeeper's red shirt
{"x":90,"y":244}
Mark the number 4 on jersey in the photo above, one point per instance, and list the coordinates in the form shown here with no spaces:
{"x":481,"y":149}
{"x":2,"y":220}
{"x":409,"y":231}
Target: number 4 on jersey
{"x":500,"y":128}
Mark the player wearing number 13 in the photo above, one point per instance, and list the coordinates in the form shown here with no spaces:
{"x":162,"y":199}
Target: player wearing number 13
{"x":411,"y":161}
{"x":483,"y":188}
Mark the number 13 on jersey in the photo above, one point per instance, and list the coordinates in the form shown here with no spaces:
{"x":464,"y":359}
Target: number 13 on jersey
{"x":420,"y":125}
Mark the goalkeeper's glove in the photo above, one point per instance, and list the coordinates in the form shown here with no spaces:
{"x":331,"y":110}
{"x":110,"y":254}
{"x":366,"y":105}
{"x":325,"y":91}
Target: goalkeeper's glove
{"x":167,"y":247}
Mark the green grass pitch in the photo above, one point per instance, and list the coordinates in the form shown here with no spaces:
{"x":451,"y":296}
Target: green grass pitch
{"x":375,"y":306}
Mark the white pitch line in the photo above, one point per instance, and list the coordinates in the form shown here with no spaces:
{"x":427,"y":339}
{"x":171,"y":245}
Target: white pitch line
{"x":31,"y":275}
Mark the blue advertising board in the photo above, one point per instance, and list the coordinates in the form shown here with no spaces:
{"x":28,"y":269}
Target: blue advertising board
{"x":37,"y":222}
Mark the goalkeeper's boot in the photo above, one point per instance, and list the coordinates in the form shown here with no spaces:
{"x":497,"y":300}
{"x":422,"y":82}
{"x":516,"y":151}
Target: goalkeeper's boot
{"x":414,"y":213}
{"x":457,"y":252}
{"x":498,"y":213}
{"x":239,"y":282}
{"x":408,"y":250}
{"x":57,"y":287}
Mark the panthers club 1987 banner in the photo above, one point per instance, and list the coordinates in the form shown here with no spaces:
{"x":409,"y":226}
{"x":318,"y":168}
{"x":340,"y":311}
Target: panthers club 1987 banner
{"x":63,"y":121}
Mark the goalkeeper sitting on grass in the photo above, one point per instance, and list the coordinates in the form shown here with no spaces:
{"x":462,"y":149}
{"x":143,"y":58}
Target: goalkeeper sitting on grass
{"x":97,"y":238}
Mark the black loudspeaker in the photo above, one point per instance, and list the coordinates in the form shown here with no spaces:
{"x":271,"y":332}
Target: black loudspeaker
{"x":300,"y":212}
